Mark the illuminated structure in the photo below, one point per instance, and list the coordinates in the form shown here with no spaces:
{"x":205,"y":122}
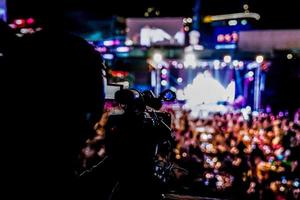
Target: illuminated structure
{"x":228,"y":26}
{"x":152,"y":55}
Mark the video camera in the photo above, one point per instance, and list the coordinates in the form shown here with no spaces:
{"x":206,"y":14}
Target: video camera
{"x":133,"y":101}
{"x":145,"y":130}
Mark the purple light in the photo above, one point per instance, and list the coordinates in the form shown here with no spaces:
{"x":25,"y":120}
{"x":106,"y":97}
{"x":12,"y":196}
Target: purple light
{"x":180,"y":66}
{"x":117,"y":42}
{"x":241,"y":64}
{"x":122,"y":49}
{"x":13,"y":26}
{"x":101,"y":49}
{"x":280,"y":114}
{"x":108,"y":56}
{"x":164,"y":76}
{"x":268,"y":109}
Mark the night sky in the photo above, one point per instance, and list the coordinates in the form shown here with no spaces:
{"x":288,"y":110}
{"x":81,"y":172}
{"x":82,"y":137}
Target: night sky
{"x":274,"y":14}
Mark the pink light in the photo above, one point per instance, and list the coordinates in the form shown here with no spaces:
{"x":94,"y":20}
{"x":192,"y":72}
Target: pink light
{"x":220,"y":38}
{"x":38,"y":29}
{"x":174,"y":63}
{"x":180,"y":66}
{"x":117,"y":42}
{"x":30,"y":21}
{"x":235,"y":36}
{"x":164,"y":76}
{"x":30,"y":30}
{"x":13,"y":26}
{"x":227,"y":37}
{"x":101,"y":49}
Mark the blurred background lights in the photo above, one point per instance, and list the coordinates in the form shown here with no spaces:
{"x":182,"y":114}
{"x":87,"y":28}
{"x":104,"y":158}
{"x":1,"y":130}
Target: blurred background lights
{"x":289,"y":56}
{"x":259,"y":59}
{"x":227,"y":59}
{"x":157,"y":57}
{"x":232,"y":22}
{"x":246,"y":6}
{"x":164,"y":71}
{"x":30,"y":20}
{"x":179,"y":80}
{"x":216,"y":64}
{"x":164,"y":82}
{"x":235,"y":63}
{"x":244,"y":22}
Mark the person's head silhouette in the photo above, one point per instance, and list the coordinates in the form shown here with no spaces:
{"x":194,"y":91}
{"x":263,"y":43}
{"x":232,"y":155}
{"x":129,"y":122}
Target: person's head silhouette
{"x":54,"y":93}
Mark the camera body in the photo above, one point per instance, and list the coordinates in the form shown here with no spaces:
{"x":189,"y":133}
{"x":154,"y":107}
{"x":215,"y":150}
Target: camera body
{"x":146,"y":106}
{"x":140,"y":139}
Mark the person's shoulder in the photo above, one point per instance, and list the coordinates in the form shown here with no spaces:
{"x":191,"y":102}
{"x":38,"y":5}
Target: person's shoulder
{"x":77,"y":45}
{"x":74,"y":40}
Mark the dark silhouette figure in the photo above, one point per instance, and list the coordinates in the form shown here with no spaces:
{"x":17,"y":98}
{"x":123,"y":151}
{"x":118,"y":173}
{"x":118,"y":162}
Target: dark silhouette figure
{"x":52,"y":93}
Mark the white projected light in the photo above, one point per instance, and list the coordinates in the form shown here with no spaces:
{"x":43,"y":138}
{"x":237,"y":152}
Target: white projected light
{"x":207,"y":90}
{"x":153,"y":35}
{"x":190,"y":60}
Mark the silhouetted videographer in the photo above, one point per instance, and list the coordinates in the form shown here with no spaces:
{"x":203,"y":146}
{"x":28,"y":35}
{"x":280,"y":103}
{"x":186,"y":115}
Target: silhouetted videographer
{"x":51,"y":98}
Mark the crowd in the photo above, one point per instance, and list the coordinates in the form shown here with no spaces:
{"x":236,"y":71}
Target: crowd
{"x":227,"y":155}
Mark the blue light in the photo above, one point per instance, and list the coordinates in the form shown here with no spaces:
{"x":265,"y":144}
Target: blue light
{"x":284,"y":181}
{"x":244,"y":22}
{"x":225,"y":46}
{"x":3,"y":14}
{"x":122,"y":49}
{"x":108,"y":56}
{"x":280,"y":157}
{"x":169,"y":95}
{"x":123,"y":55}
